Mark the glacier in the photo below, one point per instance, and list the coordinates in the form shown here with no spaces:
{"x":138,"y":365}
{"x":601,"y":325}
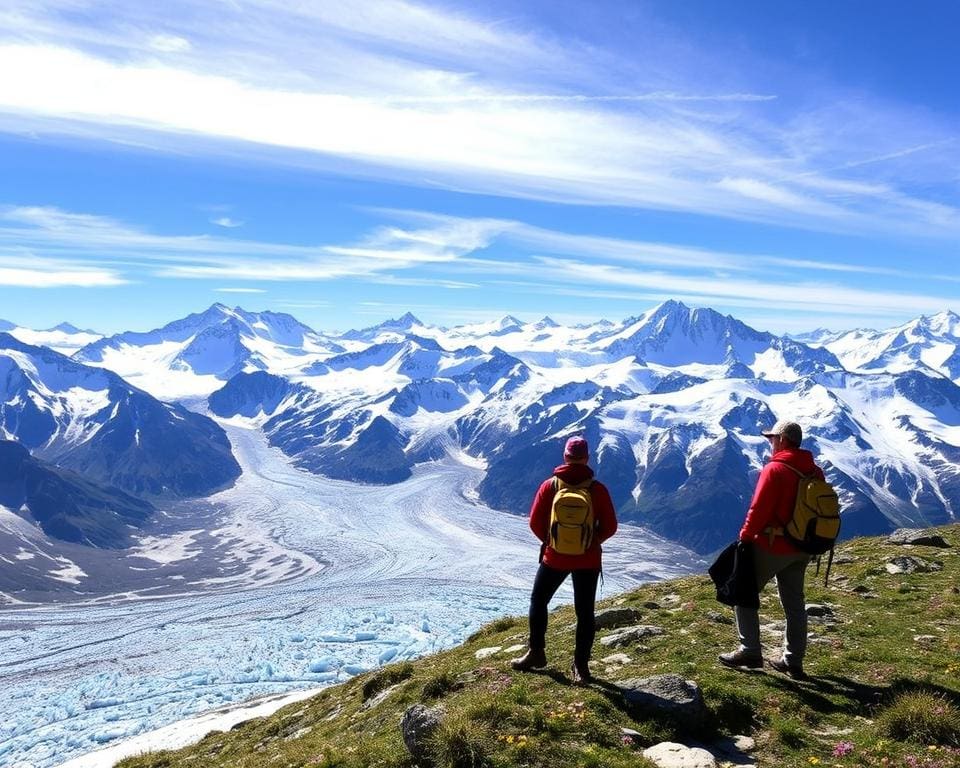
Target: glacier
{"x":381,"y":575}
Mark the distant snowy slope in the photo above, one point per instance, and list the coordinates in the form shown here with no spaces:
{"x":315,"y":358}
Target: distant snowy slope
{"x":672,"y":401}
{"x":93,"y":422}
{"x":933,"y":342}
{"x":195,"y":355}
{"x":63,"y":338}
{"x":63,"y":504}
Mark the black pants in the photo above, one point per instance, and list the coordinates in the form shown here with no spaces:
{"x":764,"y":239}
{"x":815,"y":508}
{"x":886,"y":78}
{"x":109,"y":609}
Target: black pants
{"x":545,"y":586}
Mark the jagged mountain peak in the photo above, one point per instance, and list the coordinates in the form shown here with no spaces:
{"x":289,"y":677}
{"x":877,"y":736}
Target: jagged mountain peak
{"x":69,"y":328}
{"x":405,"y":321}
{"x":946,"y":323}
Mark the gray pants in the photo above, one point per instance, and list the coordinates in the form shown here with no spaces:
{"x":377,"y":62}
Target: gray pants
{"x":789,"y":571}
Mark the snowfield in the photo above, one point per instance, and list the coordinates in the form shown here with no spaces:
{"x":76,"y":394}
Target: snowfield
{"x":325,"y":579}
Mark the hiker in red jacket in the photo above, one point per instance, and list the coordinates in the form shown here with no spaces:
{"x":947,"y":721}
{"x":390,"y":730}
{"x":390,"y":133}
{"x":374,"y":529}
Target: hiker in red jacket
{"x":774,"y":556}
{"x":568,"y":548}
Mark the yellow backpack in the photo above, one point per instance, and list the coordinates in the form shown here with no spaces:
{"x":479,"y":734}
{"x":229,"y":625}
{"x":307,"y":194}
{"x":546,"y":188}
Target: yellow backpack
{"x":815,"y":523}
{"x":572,"y":523}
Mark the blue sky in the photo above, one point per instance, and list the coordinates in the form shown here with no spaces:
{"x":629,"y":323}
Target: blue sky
{"x":796,"y":164}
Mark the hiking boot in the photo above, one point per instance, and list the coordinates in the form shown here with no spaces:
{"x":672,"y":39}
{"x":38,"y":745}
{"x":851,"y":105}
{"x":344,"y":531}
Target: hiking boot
{"x":741,"y":658}
{"x":791,"y":670}
{"x":580,"y":674}
{"x":530,"y":660}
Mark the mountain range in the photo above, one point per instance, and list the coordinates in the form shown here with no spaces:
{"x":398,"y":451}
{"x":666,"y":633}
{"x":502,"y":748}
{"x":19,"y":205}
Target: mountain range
{"x":672,"y":402}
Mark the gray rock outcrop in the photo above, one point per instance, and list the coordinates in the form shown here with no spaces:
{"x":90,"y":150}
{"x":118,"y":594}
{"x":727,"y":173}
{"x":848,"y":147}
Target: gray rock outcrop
{"x":668,"y":754}
{"x":418,"y":724}
{"x":617,"y":617}
{"x":666,"y":695}
{"x":911,"y":564}
{"x":917,"y":537}
{"x":630,"y":635}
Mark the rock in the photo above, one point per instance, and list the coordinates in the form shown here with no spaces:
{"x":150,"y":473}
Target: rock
{"x":860,"y":589}
{"x":720,"y":618}
{"x":668,"y":754}
{"x":378,"y":698}
{"x":651,"y":606}
{"x":844,"y":559}
{"x":733,"y":752}
{"x":516,"y":648}
{"x":617,"y":658}
{"x":917,"y":537}
{"x":925,"y":639}
{"x":775,"y":628}
{"x":816,"y":610}
{"x":617,"y":617}
{"x":666,"y":694}
{"x":418,"y":724}
{"x":486,"y":653}
{"x":911,"y":564}
{"x":630,"y":635}
{"x":671,"y":599}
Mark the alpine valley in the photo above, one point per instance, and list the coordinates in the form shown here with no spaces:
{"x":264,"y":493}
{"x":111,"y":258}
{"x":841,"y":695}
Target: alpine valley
{"x":314,"y":505}
{"x":672,"y":402}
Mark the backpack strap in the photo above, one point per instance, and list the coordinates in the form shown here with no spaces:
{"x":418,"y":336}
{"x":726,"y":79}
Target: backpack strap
{"x":558,"y":484}
{"x":774,"y":531}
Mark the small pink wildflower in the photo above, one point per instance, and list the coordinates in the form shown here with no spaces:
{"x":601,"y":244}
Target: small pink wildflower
{"x":842,"y":749}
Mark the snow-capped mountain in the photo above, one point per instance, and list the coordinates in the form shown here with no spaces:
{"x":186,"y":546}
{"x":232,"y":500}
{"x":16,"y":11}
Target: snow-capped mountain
{"x":195,"y":355}
{"x":64,"y":338}
{"x":933,"y":342}
{"x":63,"y":504}
{"x":673,"y":402}
{"x":91,"y":421}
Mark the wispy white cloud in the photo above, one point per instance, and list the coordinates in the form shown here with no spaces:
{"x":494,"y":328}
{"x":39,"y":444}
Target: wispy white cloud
{"x":226,"y":222}
{"x":434,"y":95}
{"x":47,"y":246}
{"x":239,"y":290}
{"x":803,"y":296}
{"x":116,"y":246}
{"x":49,"y":273}
{"x":169,"y":44}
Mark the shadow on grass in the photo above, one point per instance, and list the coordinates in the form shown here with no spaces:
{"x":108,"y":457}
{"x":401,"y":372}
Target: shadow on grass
{"x":832,"y":694}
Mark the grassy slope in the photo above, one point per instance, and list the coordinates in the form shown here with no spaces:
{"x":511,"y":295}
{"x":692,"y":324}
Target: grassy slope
{"x":500,"y":718}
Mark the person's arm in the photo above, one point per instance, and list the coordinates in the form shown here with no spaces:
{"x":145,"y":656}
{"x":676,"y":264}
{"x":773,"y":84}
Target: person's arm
{"x":760,"y":514}
{"x":604,"y":512}
{"x":540,"y":510}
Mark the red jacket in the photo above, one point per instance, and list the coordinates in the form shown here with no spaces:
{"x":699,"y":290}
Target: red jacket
{"x":603,"y":513}
{"x":775,"y":497}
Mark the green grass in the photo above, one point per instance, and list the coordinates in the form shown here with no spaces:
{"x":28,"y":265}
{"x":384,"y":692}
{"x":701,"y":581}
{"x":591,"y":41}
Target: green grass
{"x":877,"y":696}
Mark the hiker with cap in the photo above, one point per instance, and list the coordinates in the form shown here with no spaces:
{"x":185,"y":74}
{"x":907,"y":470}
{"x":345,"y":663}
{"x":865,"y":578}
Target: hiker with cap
{"x":774,"y":555}
{"x":572,"y":515}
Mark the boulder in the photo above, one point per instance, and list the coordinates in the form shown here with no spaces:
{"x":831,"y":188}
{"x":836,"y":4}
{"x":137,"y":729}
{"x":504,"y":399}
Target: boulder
{"x":819,"y":611}
{"x":916,"y":536}
{"x":911,"y":564}
{"x":630,"y":635}
{"x":668,"y":754}
{"x":418,"y":724}
{"x":617,"y":617}
{"x":719,"y":618}
{"x":666,"y":695}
